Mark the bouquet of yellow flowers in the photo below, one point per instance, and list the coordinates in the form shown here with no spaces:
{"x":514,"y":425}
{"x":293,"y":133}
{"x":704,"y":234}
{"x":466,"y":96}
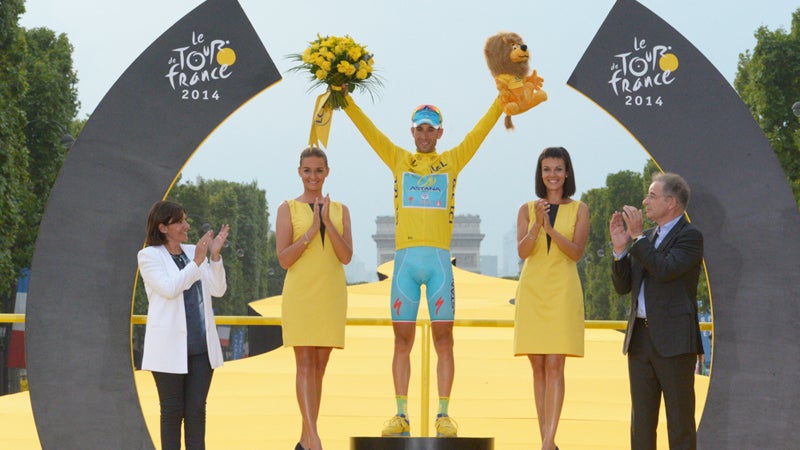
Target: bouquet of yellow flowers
{"x":337,"y":61}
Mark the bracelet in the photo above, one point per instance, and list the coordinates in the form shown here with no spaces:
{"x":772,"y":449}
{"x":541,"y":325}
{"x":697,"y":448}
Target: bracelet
{"x":307,"y":240}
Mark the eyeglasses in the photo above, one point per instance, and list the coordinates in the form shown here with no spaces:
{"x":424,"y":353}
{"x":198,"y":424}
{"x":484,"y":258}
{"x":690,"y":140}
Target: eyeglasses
{"x":652,"y":196}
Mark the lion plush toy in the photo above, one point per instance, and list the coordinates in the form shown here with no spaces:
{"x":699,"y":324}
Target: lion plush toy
{"x":507,"y":58}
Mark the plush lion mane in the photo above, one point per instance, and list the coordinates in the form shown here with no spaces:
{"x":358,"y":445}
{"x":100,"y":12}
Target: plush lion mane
{"x":498,"y":55}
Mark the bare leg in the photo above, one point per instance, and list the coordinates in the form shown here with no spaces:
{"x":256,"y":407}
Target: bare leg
{"x":539,"y":386}
{"x":445,"y":366}
{"x":553,"y":399}
{"x":322,"y":357}
{"x":308,"y":384}
{"x":404,"y":334}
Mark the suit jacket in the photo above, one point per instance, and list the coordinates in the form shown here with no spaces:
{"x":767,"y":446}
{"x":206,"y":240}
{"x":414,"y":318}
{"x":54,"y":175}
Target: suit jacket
{"x":672,"y":271}
{"x":165,"y":335}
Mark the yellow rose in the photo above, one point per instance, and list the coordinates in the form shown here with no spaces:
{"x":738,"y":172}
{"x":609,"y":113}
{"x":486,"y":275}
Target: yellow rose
{"x":343,"y":67}
{"x":307,"y":56}
{"x":326,"y":65}
{"x":317,"y":59}
{"x":362,"y":74}
{"x":321,"y":74}
{"x":346,"y":68}
{"x":354,"y":53}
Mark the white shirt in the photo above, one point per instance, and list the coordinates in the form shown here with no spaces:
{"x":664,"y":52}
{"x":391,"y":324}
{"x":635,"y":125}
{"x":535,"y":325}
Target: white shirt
{"x":661,"y":232}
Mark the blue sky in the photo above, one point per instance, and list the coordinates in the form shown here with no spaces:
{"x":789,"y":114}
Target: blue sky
{"x":426,"y":53}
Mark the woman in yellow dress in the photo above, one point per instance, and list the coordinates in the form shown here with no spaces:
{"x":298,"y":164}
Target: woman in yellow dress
{"x":313,"y":242}
{"x":549,"y":322}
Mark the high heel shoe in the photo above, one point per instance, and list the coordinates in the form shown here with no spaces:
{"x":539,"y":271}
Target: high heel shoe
{"x":299,"y":447}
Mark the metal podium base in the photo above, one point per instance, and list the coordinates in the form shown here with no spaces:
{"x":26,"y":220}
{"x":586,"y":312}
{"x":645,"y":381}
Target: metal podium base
{"x":414,"y":443}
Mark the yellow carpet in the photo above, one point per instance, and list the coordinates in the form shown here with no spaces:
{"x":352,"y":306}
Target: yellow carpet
{"x":252,"y":401}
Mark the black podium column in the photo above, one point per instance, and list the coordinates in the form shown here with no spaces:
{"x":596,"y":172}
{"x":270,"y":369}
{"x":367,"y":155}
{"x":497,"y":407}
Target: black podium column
{"x":407,"y":443}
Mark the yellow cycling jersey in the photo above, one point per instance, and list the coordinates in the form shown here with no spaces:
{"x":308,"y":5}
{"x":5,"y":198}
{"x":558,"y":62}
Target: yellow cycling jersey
{"x":424,"y":183}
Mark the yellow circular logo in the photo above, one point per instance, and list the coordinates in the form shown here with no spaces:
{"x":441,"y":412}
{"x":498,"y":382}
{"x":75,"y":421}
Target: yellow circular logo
{"x":668,"y":62}
{"x":226,"y":56}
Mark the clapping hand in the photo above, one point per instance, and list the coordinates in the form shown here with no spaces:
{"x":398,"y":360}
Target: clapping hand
{"x":542,"y":211}
{"x":208,"y":242}
{"x":315,"y":225}
{"x":624,"y":226}
{"x":634,"y":220}
{"x":619,"y":236}
{"x":219,"y":241}
{"x":326,"y":209}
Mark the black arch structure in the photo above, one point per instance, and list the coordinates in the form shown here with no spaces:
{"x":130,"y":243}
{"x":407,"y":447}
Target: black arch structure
{"x":144,"y":130}
{"x":740,"y":199}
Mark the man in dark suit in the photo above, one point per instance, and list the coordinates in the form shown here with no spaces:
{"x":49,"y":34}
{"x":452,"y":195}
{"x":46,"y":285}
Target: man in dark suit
{"x":662,"y":340}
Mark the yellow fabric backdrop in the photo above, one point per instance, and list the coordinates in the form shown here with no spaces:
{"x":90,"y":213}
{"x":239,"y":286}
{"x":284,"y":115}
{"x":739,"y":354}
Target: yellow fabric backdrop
{"x":252,"y":401}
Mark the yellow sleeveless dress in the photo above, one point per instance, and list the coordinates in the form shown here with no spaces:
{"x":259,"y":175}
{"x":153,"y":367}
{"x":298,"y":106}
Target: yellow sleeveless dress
{"x":314,"y":306}
{"x":549,"y":301}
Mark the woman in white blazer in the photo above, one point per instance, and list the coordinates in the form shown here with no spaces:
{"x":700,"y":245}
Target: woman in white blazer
{"x":181,"y":345}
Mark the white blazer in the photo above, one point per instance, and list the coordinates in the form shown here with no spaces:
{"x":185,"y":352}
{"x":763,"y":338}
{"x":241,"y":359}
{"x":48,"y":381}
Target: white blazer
{"x":165,"y":335}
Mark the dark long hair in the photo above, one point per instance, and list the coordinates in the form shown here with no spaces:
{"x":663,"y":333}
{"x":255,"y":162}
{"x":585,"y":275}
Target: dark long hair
{"x":163,"y":212}
{"x":569,"y":183}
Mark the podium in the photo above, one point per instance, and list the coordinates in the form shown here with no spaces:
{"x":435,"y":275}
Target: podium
{"x":415,"y":443}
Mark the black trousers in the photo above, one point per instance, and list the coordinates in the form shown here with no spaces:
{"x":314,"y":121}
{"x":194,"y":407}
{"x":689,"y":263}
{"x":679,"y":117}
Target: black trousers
{"x":652,"y":375}
{"x":182,"y":397}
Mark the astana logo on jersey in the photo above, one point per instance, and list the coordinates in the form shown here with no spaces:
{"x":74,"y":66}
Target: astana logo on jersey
{"x":425,"y":191}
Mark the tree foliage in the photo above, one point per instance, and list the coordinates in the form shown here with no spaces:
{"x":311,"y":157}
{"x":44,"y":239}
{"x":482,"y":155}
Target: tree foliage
{"x":50,"y":105}
{"x":38,"y":102}
{"x":13,"y":153}
{"x":601,"y":300}
{"x":768,"y":80}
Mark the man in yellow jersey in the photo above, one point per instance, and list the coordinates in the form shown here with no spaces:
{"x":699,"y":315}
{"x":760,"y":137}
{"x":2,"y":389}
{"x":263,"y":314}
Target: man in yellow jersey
{"x":424,"y":209}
